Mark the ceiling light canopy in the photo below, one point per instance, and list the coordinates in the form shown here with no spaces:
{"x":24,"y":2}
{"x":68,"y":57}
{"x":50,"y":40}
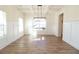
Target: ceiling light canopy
{"x":39,"y":5}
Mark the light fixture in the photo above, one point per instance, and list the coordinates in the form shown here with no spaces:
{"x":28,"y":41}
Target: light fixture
{"x":39,"y":11}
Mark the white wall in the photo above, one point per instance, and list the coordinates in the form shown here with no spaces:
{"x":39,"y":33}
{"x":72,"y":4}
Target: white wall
{"x":12,"y":14}
{"x":50,"y":23}
{"x":28,"y":18}
{"x":71,"y":26}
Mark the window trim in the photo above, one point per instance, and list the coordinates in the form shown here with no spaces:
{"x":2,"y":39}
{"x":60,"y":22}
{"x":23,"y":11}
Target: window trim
{"x":41,"y":28}
{"x":4,"y":24}
{"x":20,"y":24}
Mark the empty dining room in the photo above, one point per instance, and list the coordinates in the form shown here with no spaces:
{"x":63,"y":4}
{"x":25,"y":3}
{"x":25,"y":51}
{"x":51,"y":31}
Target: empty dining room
{"x":39,"y":29}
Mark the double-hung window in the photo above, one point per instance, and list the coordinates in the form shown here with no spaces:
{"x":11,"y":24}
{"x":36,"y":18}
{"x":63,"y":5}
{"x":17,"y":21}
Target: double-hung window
{"x":20,"y":24}
{"x":3,"y":25}
{"x":39,"y":23}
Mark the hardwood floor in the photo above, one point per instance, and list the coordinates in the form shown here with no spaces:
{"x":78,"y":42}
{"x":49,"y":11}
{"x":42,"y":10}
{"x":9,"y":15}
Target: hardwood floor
{"x":41,"y":45}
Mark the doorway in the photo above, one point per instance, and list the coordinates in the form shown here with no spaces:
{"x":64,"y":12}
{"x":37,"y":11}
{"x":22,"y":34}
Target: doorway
{"x":60,"y":25}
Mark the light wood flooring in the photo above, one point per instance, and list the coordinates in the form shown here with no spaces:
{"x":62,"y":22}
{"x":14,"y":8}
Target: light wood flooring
{"x":46,"y":44}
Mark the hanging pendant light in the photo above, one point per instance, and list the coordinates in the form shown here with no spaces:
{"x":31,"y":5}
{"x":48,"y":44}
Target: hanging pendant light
{"x":38,"y":11}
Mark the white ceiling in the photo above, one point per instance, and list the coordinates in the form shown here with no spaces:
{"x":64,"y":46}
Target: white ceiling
{"x":33,"y":9}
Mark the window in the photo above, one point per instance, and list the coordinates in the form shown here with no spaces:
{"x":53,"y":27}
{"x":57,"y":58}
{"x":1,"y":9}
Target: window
{"x":39,"y":23}
{"x":2,"y":23}
{"x":20,"y":25}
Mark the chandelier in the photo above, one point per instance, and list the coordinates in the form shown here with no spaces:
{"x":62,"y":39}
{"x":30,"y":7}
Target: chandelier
{"x":39,"y":12}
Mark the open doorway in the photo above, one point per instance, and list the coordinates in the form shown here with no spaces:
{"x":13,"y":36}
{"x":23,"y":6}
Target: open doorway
{"x":60,"y":25}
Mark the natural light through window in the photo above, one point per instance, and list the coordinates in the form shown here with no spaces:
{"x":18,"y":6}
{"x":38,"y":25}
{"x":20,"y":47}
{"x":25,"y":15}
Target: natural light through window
{"x":2,"y":23}
{"x":20,"y":25}
{"x":36,"y":24}
{"x":39,"y":23}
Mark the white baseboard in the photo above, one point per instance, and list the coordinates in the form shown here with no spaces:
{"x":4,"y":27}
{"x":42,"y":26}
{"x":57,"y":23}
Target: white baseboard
{"x":71,"y":44}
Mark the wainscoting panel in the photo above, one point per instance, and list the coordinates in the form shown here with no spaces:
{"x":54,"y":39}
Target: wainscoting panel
{"x":71,"y":33}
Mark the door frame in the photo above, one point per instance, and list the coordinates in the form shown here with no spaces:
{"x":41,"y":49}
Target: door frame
{"x":60,"y":25}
